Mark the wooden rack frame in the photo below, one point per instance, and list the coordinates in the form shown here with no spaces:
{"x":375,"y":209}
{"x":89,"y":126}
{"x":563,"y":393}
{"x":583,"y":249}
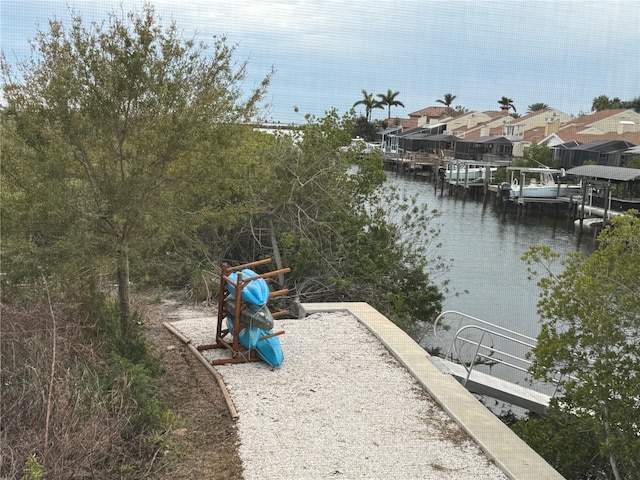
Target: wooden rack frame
{"x":239,"y":354}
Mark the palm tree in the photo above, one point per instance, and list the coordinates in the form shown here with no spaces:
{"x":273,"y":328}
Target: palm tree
{"x":506,"y":104}
{"x":390,"y":101}
{"x":605,"y":103}
{"x":447,"y":100}
{"x":536,"y":107}
{"x":369,"y":104}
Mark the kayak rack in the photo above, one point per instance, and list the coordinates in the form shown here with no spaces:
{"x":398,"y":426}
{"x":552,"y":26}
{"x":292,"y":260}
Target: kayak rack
{"x":239,"y":354}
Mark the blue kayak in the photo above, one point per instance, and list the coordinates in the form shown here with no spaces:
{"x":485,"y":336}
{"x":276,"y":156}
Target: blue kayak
{"x":255,"y":292}
{"x":268,"y":350}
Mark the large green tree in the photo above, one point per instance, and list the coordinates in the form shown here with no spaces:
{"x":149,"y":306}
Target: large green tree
{"x":328,"y":215}
{"x":389,"y":99}
{"x":110,"y":124}
{"x":590,"y":339}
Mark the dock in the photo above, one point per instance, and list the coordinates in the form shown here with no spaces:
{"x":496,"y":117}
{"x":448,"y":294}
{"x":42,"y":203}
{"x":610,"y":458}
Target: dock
{"x":430,"y":166}
{"x":484,"y":342}
{"x":417,"y":164}
{"x":484,"y":384}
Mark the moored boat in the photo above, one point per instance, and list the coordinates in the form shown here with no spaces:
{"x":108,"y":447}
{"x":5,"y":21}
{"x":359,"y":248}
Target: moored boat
{"x":541,"y":183}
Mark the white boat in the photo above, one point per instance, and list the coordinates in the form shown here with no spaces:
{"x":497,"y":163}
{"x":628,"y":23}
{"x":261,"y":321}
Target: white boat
{"x":362,"y":146}
{"x":467,"y":172}
{"x":541,"y":183}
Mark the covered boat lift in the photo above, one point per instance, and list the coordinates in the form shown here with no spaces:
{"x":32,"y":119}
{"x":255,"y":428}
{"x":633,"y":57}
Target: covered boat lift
{"x":601,"y":177}
{"x":601,"y":152}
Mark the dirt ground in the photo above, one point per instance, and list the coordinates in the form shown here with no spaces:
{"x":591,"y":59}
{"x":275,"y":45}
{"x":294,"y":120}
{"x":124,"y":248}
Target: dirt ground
{"x":203,"y":442}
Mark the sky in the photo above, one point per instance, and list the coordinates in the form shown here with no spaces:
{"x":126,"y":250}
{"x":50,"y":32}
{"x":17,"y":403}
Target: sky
{"x":325,"y":52}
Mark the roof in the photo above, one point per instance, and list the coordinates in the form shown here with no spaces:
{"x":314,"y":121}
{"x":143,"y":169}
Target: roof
{"x":535,"y":169}
{"x":592,"y":118}
{"x":426,"y":129}
{"x":604,"y":146}
{"x":493,"y":114}
{"x":430,"y":112}
{"x":567,"y":145}
{"x":438,"y":137}
{"x":395,"y":128}
{"x":410,"y":131}
{"x":499,"y":139}
{"x":606,"y":172}
{"x":416,"y":136}
{"x":442,"y":136}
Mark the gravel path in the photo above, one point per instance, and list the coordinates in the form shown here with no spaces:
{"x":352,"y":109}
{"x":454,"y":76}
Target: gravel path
{"x":340,"y":406}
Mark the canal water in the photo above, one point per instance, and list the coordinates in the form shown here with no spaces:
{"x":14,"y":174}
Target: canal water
{"x":485,"y":246}
{"x":488,"y":279}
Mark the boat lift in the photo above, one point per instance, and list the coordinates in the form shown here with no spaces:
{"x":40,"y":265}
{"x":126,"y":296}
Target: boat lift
{"x":239,"y":354}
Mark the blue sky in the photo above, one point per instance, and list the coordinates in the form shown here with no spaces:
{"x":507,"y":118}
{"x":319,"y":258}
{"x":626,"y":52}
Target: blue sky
{"x":560,"y":52}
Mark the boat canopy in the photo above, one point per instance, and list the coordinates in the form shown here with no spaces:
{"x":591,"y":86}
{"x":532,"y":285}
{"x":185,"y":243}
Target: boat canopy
{"x":536,"y":169}
{"x":606,"y":173}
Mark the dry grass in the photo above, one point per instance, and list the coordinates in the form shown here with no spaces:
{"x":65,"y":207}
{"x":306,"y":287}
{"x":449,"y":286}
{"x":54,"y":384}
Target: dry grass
{"x":60,"y":420}
{"x":57,"y":419}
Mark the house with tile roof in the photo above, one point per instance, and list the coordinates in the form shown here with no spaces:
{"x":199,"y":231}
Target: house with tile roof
{"x":484,"y":149}
{"x":616,"y":124}
{"x":524,"y":130}
{"x":602,"y":137}
{"x":419,"y":118}
{"x":549,"y":127}
{"x":477,"y":124}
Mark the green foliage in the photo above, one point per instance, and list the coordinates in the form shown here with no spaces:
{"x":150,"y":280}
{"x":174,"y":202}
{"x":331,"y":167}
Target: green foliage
{"x":389,"y":99}
{"x":536,"y":107}
{"x":345,"y":235}
{"x":369,"y":103}
{"x":537,"y":156}
{"x":129,"y":368}
{"x":589,"y":337}
{"x":507,"y":104}
{"x":634,"y":162}
{"x":603,"y":102}
{"x":566,"y":441}
{"x":447,"y":100}
{"x":32,"y":469}
{"x":133,"y":384}
{"x":107,"y":127}
{"x":364,"y":130}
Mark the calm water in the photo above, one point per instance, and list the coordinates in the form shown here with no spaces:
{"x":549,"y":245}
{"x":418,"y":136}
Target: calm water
{"x":485,"y":247}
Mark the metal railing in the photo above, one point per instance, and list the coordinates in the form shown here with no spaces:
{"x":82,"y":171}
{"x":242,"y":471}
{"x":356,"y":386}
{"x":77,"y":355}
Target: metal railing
{"x":482,"y":337}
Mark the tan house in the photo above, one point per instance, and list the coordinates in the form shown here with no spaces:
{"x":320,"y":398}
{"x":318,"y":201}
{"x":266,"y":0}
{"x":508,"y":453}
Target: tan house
{"x":615,"y":124}
{"x":478,"y":124}
{"x":419,"y":118}
{"x":534,"y":126}
{"x":549,"y":127}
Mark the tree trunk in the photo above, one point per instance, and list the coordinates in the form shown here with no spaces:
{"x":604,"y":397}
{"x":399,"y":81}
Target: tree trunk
{"x":124,"y":291}
{"x":613,"y":461}
{"x":276,"y":252}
